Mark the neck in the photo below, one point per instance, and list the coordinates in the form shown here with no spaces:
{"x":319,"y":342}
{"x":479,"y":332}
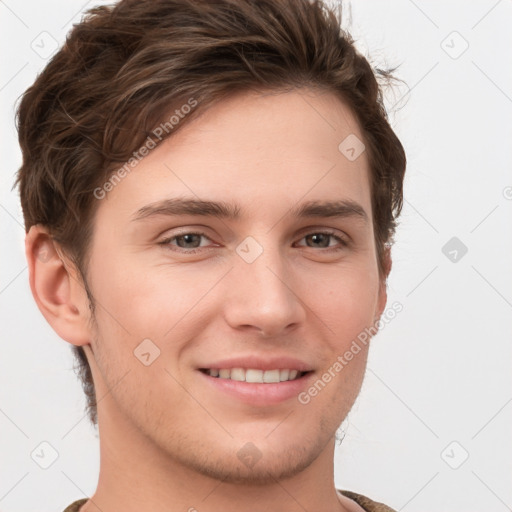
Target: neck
{"x":144,"y":477}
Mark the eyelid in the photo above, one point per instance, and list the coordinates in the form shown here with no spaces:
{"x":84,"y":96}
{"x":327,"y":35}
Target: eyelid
{"x":166,"y":241}
{"x":343,"y":240}
{"x":330,"y":230}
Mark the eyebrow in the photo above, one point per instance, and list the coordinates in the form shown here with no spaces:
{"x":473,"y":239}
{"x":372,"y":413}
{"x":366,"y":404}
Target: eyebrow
{"x":345,"y":208}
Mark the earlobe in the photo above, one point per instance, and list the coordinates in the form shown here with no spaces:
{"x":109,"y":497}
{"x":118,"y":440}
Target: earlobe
{"x":56,"y":288}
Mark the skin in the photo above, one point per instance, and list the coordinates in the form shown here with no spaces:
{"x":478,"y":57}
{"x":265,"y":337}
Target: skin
{"x":167,"y":439}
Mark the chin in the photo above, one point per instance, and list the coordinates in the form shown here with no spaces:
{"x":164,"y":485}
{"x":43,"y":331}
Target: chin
{"x":250,"y":466}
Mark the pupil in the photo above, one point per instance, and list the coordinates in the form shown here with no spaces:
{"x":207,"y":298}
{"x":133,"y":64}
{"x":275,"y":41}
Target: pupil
{"x":188,"y":239}
{"x":319,"y":237}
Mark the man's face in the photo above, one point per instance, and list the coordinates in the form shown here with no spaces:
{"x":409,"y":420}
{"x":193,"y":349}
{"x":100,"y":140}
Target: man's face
{"x":268,"y":290}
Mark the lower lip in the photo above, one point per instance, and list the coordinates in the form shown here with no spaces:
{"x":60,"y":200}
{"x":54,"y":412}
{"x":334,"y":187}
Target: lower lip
{"x":259,"y":394}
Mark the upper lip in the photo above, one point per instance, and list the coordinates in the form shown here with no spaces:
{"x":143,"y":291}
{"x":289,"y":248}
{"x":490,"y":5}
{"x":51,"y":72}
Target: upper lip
{"x":260,"y":363}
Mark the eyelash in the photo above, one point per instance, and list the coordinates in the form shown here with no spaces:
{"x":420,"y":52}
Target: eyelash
{"x":167,"y":241}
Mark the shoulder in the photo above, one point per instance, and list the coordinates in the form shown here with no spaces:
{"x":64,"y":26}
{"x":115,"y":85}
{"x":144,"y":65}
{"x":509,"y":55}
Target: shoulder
{"x":366,"y":503}
{"x":75,"y":506}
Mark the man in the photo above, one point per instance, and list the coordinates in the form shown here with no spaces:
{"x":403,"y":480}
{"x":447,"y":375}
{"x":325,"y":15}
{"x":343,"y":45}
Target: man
{"x":210,"y":192}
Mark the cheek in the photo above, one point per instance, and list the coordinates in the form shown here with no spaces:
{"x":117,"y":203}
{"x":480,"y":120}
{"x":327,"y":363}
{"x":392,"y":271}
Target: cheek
{"x":345,"y":301}
{"x":348,"y":308}
{"x":150,"y":303}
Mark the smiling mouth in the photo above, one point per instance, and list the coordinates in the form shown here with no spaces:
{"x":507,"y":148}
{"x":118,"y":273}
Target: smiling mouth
{"x":253,"y":375}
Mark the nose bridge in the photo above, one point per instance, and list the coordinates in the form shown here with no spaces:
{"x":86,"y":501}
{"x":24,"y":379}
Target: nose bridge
{"x":261,"y":295}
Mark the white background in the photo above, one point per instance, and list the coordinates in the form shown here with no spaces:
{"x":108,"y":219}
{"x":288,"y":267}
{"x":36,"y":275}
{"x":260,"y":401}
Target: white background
{"x":439,"y":372}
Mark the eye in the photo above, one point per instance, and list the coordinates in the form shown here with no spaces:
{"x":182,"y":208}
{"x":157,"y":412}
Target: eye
{"x":191,"y":242}
{"x":322,"y":239}
{"x":184,"y":242}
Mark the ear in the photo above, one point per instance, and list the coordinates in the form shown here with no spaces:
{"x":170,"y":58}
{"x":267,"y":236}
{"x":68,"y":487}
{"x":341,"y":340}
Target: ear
{"x":383,"y":295}
{"x":57,"y":287}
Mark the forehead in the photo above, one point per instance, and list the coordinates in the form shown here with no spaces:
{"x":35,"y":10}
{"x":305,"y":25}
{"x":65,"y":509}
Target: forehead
{"x":259,"y":150}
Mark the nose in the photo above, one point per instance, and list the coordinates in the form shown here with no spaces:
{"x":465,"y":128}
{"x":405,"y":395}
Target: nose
{"x":263,"y":296}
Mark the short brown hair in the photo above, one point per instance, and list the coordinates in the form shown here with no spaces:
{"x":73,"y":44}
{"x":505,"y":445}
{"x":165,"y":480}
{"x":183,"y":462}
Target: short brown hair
{"x":122,"y":67}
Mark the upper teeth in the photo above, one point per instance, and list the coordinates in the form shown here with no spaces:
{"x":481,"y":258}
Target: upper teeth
{"x":253,"y":375}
